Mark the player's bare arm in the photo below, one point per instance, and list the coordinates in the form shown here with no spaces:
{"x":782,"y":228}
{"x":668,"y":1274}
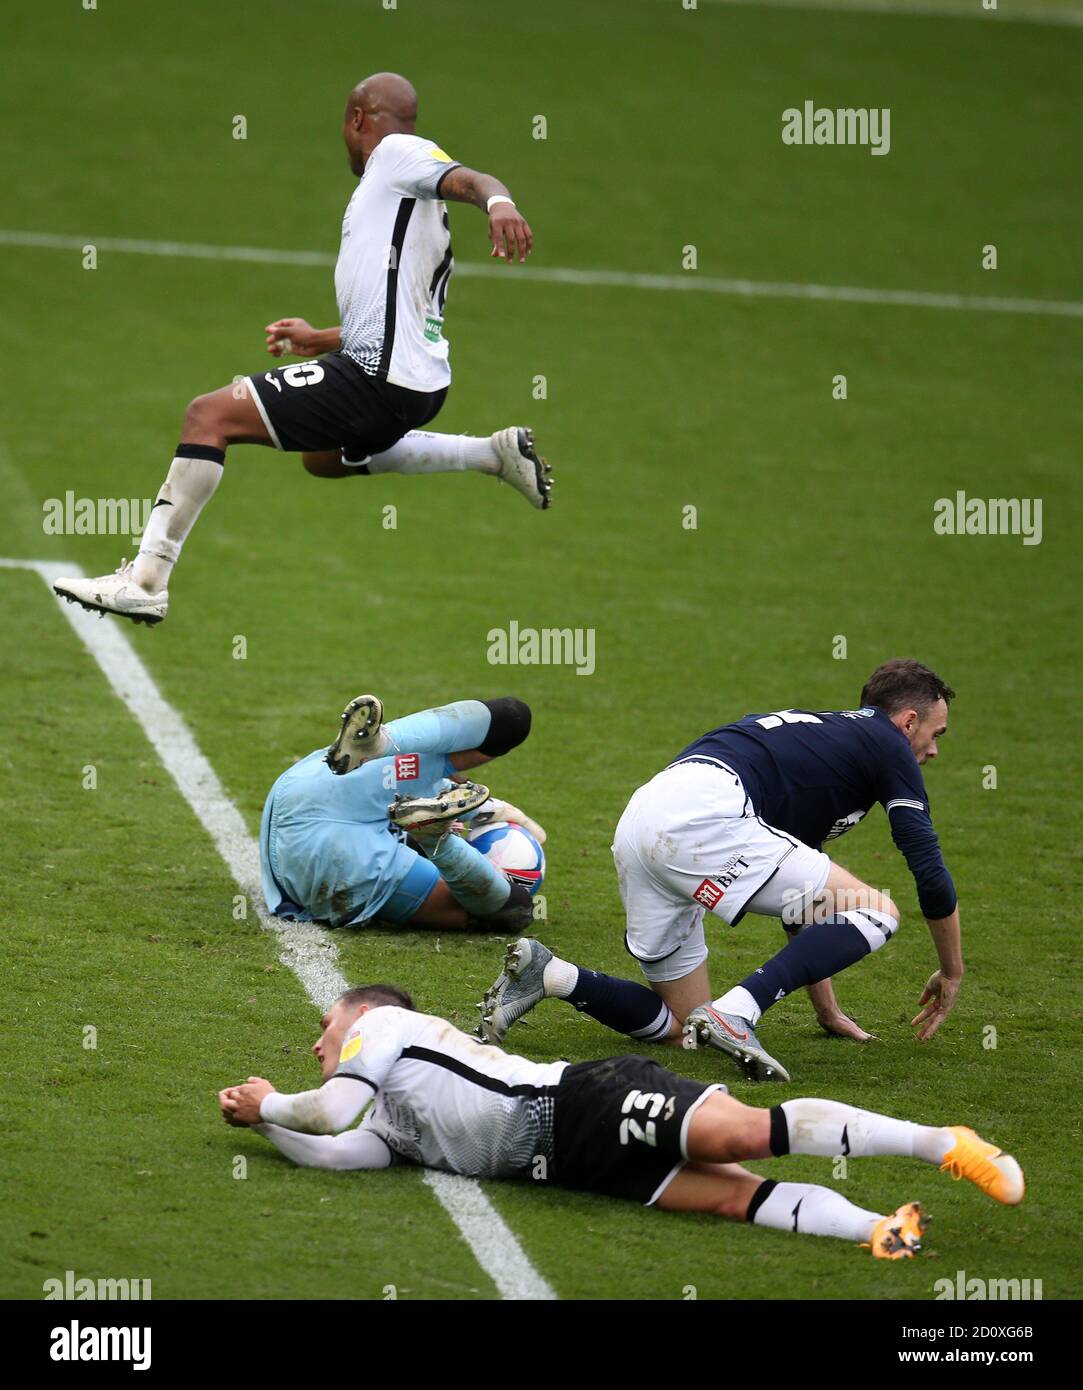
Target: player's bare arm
{"x":297,"y":337}
{"x":509,"y":231}
{"x":940,"y":993}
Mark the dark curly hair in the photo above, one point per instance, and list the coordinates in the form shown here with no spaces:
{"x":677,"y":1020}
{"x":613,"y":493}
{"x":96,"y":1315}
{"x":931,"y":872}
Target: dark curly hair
{"x":905,"y":684}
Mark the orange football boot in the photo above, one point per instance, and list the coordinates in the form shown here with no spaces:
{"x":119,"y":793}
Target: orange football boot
{"x":898,"y":1237}
{"x":995,"y":1172}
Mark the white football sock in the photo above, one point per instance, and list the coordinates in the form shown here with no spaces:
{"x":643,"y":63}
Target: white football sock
{"x":420,"y":451}
{"x":738,"y":1001}
{"x":188,"y":487}
{"x":829,"y":1128}
{"x":814,"y":1211}
{"x":559,"y":978}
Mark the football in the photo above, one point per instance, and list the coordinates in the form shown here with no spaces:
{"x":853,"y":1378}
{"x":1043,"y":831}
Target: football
{"x":513,"y":850}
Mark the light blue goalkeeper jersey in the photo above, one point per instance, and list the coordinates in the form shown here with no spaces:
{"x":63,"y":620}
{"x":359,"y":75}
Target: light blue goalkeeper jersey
{"x":327,"y":849}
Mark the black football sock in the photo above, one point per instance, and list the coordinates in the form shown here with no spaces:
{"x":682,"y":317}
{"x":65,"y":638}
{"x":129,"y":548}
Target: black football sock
{"x":815,"y":953}
{"x":622,"y":1005}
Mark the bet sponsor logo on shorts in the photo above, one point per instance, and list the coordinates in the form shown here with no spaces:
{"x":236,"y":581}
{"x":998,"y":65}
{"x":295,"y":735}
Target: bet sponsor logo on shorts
{"x":712,"y":890}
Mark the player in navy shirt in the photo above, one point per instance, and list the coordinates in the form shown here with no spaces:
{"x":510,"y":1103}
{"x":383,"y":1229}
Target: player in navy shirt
{"x":816,"y":775}
{"x":736,"y":824}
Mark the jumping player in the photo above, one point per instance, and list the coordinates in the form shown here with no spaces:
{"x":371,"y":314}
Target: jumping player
{"x":623,"y":1127}
{"x":733,"y":825}
{"x":359,"y":408}
{"x":331,"y":851}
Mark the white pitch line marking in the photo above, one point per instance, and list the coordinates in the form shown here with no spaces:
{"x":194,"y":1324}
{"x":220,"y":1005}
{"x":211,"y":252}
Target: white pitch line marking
{"x":304,"y":947}
{"x":691,"y":282}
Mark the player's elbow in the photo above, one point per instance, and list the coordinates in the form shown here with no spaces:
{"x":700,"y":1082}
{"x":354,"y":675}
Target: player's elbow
{"x":314,"y":1116}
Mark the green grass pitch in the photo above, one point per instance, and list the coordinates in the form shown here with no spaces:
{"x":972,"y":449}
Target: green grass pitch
{"x":814,"y":523}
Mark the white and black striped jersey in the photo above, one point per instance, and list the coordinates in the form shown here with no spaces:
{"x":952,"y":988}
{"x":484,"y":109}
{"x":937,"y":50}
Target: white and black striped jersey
{"x":445,"y":1100}
{"x":394,"y":264}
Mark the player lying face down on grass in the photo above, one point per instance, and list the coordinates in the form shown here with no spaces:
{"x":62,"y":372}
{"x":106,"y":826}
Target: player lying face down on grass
{"x":622,"y":1127}
{"x":363,"y":830}
{"x":381,"y":375}
{"x":734,"y":825}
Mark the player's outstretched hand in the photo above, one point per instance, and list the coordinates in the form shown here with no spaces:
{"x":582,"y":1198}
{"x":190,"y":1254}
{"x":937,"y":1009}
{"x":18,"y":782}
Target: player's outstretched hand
{"x":240,"y":1104}
{"x":296,"y":336}
{"x":840,"y":1025}
{"x":509,"y":233}
{"x":938,"y":997}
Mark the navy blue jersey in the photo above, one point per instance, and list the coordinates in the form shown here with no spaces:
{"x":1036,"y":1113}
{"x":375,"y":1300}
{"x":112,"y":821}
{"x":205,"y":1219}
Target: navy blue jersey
{"x":816,"y":775}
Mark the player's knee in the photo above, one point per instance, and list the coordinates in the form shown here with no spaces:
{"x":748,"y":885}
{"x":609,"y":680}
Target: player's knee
{"x":725,"y":1130}
{"x":509,"y":724}
{"x":885,"y":914}
{"x":201,"y":417}
{"x":876,"y":924}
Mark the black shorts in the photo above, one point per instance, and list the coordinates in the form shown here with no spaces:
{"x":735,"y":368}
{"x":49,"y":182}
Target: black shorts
{"x":331,"y":403}
{"x":620,"y":1126}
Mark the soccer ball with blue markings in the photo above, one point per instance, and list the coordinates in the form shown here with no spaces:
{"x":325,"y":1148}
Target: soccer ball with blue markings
{"x":512,"y":850}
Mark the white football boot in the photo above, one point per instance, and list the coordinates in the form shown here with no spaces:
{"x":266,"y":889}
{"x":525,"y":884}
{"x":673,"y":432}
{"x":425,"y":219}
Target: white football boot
{"x":115,"y":593}
{"x":521,"y":466}
{"x":361,"y":736}
{"x":433,"y":817}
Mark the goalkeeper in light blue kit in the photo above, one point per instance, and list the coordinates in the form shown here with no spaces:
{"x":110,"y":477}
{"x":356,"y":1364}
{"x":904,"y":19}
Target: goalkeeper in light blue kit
{"x":363,"y":830}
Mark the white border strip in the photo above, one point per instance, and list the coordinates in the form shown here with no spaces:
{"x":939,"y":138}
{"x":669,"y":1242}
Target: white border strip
{"x":945,"y":9}
{"x":303,"y":946}
{"x":690,"y":282}
{"x":263,"y":412}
